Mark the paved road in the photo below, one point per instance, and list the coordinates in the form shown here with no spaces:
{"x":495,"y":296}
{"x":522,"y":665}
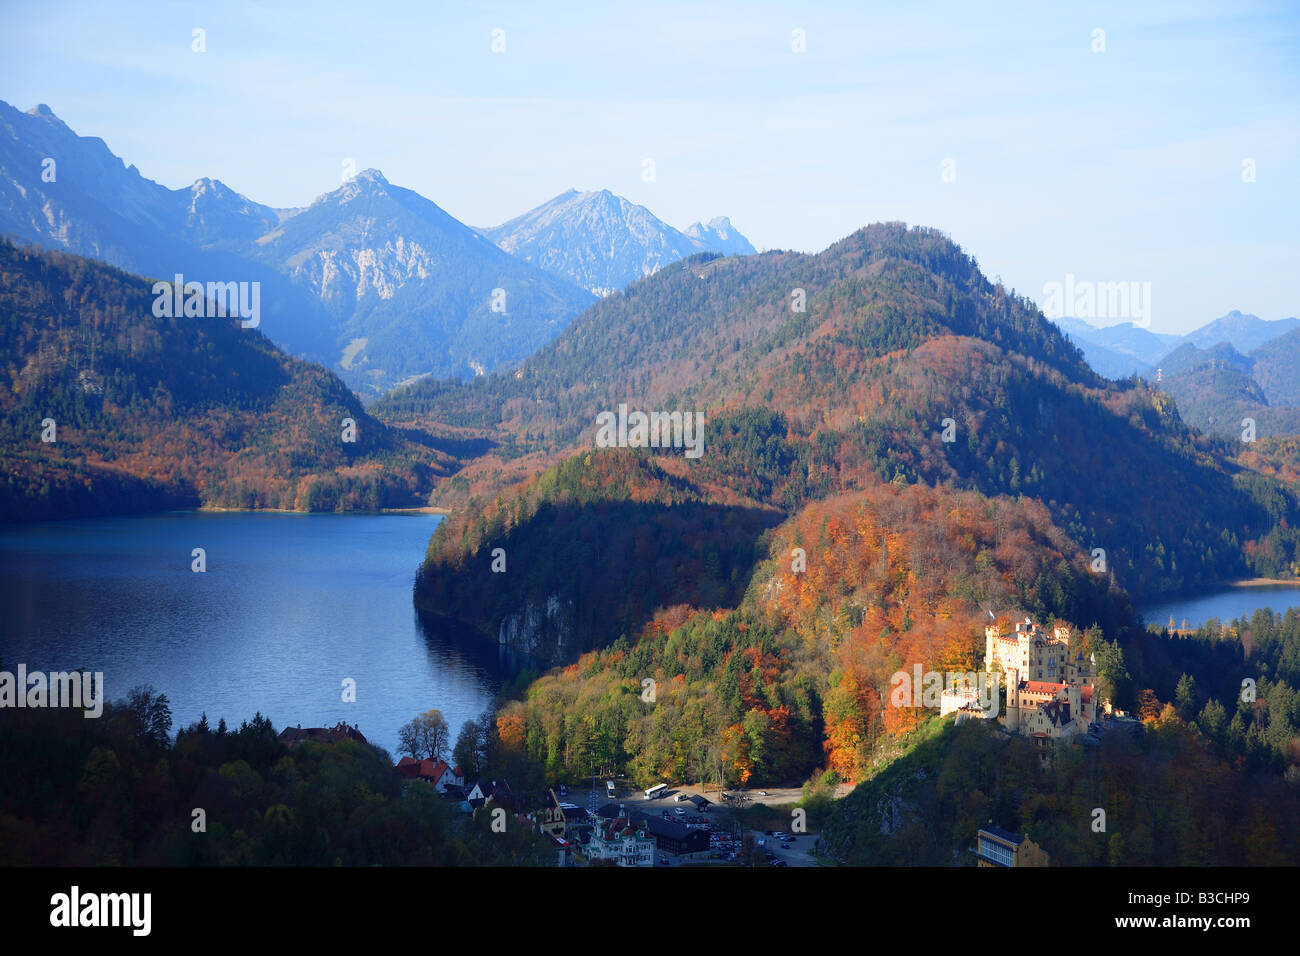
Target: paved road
{"x":797,"y":855}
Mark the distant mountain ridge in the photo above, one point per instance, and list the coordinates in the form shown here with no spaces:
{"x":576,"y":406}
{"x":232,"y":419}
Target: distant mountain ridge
{"x":1243,"y":332}
{"x":411,"y":290}
{"x":719,"y":235}
{"x":68,"y":191}
{"x":603,"y":242}
{"x":1217,"y":387}
{"x":370,"y":279}
{"x":1118,"y":351}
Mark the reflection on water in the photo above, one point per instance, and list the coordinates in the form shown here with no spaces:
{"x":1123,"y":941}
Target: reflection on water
{"x":1222,"y":605}
{"x":290,"y":606}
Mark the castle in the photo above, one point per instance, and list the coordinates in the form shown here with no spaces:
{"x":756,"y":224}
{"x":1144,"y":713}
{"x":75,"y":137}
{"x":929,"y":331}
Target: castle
{"x":1050,"y":695}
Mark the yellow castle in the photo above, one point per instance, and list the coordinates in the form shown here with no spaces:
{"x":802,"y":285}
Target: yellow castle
{"x":1050,"y":694}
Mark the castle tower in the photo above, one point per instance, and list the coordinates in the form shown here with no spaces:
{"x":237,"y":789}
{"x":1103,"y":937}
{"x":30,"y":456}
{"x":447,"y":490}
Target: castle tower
{"x":990,"y":647}
{"x":1074,"y":669}
{"x":1090,"y":680}
{"x":1013,"y":700}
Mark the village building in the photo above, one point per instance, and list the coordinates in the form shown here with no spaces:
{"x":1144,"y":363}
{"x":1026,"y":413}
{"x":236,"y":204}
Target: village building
{"x":445,"y":779}
{"x":997,"y":847}
{"x":702,"y":803}
{"x":486,"y":792}
{"x":292,"y":736}
{"x":557,"y":819}
{"x":670,"y":836}
{"x":622,"y":840}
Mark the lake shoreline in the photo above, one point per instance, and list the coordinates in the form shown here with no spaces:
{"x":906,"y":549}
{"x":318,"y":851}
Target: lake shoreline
{"x":1229,"y":601}
{"x":421,"y":510}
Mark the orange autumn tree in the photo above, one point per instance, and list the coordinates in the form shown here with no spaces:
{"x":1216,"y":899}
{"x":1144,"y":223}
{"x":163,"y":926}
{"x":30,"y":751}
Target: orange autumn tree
{"x":735,"y":751}
{"x":510,"y":731}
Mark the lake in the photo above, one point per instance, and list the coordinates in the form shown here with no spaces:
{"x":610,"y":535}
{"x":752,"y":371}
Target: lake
{"x":289,"y":607}
{"x":1225,"y":605}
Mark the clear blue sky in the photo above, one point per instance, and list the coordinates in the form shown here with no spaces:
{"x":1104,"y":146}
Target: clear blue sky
{"x":1122,"y":165}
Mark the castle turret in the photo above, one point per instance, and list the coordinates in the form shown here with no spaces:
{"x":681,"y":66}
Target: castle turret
{"x":1013,"y":700}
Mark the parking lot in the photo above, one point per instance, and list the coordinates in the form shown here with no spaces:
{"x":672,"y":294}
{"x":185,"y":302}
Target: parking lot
{"x":724,"y":847}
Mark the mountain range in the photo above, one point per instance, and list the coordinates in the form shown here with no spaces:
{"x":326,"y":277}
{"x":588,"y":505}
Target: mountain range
{"x":1118,"y":351}
{"x":372,"y":280}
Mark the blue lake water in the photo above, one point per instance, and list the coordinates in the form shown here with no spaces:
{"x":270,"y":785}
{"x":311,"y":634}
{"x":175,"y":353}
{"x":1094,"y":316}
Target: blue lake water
{"x":289,"y":607}
{"x":1224,"y":605}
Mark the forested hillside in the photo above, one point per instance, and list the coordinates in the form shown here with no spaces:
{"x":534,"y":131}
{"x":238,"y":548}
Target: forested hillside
{"x":1171,"y":798}
{"x":789,"y":678}
{"x":589,"y":550}
{"x":906,"y":365}
{"x":152,"y":412}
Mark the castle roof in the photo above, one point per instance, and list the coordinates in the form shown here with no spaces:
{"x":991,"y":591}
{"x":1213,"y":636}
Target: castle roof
{"x":1056,"y":711}
{"x":1040,"y":687}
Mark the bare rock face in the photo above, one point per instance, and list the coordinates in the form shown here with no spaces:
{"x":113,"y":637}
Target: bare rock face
{"x":542,"y":631}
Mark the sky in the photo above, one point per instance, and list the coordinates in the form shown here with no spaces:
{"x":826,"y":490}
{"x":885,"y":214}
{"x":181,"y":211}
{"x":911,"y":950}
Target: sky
{"x":1161,"y":150}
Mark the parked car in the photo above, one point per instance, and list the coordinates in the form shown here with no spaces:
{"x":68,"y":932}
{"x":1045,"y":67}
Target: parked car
{"x":780,"y":863}
{"x":785,"y":846}
{"x":680,"y":812}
